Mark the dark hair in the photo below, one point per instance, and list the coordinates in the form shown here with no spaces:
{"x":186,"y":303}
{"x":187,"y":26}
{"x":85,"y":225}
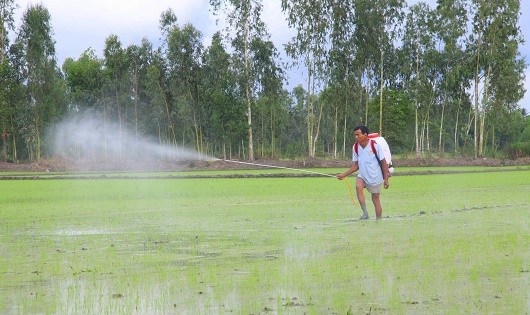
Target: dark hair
{"x":363,"y":129}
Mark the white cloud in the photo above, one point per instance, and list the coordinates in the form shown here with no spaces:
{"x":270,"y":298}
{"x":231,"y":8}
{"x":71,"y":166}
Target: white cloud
{"x":79,"y":25}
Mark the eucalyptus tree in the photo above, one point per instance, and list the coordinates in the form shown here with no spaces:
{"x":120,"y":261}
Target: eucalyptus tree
{"x":45,"y":89}
{"x":158,"y":85}
{"x":116,"y":93}
{"x":418,"y":70}
{"x":296,"y":136}
{"x":498,"y":65}
{"x":157,"y":92}
{"x":269,"y":77}
{"x":310,"y":44}
{"x":140,"y":58}
{"x":84,"y":79}
{"x":223,"y":104}
{"x":342,"y":77}
{"x":11,"y":105}
{"x":330,"y":100}
{"x":244,"y":18}
{"x":7,"y":8}
{"x":450,"y":23}
{"x":378,"y":26}
{"x":282,"y":123}
{"x":184,"y":64}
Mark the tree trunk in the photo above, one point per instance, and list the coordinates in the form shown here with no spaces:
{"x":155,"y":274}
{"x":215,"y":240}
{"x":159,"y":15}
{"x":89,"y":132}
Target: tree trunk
{"x":475,"y":148}
{"x":120,"y":124}
{"x":272,"y":144}
{"x":427,"y":138}
{"x":480,"y":141}
{"x":335,"y":131}
{"x":344,"y":136}
{"x":136,"y":96}
{"x":2,"y":40}
{"x":369,"y":86}
{"x":456,"y":132}
{"x":440,"y":144}
{"x":5,"y":139}
{"x":105,"y":118}
{"x":317,"y":131}
{"x":468,"y":128}
{"x":249,"y":125}
{"x":457,"y":120}
{"x":197,"y":133}
{"x":15,"y":153}
{"x":422,"y":137}
{"x":261,"y":138}
{"x":171,"y":128}
{"x":309,"y":109}
{"x":493,"y":146}
{"x":381,"y":96}
{"x":248,"y":92}
{"x":37,"y":139}
{"x":485,"y":99}
{"x":416,"y":122}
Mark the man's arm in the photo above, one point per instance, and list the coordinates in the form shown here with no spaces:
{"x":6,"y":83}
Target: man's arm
{"x":383,"y":164}
{"x":351,"y":170}
{"x":386,"y":172}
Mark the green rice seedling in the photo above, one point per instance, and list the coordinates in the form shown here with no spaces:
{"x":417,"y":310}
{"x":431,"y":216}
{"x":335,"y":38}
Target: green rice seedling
{"x":451,"y":243}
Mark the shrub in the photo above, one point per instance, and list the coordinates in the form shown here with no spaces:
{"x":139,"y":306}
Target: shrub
{"x":519,"y":149}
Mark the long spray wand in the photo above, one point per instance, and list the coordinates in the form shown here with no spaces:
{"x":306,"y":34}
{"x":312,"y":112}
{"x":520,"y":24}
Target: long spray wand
{"x":275,"y":166}
{"x":352,"y":198}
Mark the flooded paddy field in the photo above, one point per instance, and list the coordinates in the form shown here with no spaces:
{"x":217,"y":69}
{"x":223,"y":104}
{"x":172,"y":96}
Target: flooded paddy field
{"x":448,"y":243}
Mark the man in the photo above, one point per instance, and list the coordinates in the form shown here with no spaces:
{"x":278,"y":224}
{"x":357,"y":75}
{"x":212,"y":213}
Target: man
{"x":373,"y":170}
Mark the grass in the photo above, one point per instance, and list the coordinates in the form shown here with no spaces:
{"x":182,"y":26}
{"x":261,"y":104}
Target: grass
{"x":454,"y":243}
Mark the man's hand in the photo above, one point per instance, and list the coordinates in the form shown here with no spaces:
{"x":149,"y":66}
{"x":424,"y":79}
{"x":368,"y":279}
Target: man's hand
{"x":387,"y":184}
{"x":349,"y":171}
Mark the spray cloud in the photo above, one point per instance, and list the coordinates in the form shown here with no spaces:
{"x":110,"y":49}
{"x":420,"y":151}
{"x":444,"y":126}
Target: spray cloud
{"x":86,"y":138}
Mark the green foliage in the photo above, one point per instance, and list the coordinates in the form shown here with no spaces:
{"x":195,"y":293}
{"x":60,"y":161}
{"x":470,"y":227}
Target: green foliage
{"x":10,"y":104}
{"x":85,"y":78}
{"x":226,"y":128}
{"x":398,"y":121}
{"x":7,"y":8}
{"x":519,"y":149}
{"x":244,"y":18}
{"x":521,"y":146}
{"x":525,"y":135}
{"x":418,"y":64}
{"x":45,"y":91}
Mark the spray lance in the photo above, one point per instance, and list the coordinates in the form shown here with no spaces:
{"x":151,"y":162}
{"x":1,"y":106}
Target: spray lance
{"x":298,"y":170}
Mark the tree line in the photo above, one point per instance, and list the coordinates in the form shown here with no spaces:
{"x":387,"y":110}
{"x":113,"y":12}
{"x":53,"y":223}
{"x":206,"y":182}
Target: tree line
{"x":433,"y":81}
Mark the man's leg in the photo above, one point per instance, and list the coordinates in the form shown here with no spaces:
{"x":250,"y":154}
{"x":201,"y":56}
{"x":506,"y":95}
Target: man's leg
{"x":377,"y":204}
{"x":359,"y":188}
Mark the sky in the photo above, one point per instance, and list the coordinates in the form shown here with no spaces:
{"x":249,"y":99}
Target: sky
{"x":80,"y":24}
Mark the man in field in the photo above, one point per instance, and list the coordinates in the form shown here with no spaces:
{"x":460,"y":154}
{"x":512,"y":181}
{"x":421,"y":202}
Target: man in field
{"x":369,"y":159}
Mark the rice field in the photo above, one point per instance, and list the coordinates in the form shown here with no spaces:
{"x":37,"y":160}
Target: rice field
{"x":167,"y":244}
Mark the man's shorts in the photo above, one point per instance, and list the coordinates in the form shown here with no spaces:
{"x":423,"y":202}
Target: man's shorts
{"x":375,"y":189}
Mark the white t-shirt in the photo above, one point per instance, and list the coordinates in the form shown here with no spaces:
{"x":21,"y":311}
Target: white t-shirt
{"x":369,"y":168}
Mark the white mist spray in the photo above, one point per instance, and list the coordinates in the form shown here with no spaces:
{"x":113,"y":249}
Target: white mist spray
{"x":85,"y":138}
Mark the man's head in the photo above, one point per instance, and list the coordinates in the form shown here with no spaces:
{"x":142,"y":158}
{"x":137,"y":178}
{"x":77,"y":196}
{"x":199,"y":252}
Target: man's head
{"x":361,"y":133}
{"x":362,"y":128}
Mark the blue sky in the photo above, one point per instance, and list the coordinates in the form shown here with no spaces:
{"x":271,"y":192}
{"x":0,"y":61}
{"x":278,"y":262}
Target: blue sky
{"x":80,"y":24}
